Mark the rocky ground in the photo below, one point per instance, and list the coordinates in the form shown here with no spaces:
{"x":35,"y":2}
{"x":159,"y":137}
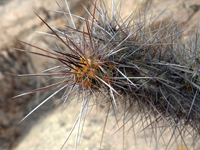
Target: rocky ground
{"x":48,"y":128}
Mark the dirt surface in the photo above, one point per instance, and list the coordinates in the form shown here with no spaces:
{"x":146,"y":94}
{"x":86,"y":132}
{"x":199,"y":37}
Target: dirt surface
{"x":48,"y":128}
{"x":52,"y":130}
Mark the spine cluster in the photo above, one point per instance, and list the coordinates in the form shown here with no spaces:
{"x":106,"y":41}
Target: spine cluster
{"x":129,"y":67}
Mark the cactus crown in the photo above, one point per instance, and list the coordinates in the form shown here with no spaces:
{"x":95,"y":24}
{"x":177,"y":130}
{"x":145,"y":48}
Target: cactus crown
{"x":139,"y":69}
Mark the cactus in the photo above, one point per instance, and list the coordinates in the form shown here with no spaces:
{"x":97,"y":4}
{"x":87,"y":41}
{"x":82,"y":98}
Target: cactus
{"x":151,"y":76}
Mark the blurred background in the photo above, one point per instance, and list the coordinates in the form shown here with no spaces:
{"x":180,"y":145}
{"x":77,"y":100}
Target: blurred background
{"x":47,"y":128}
